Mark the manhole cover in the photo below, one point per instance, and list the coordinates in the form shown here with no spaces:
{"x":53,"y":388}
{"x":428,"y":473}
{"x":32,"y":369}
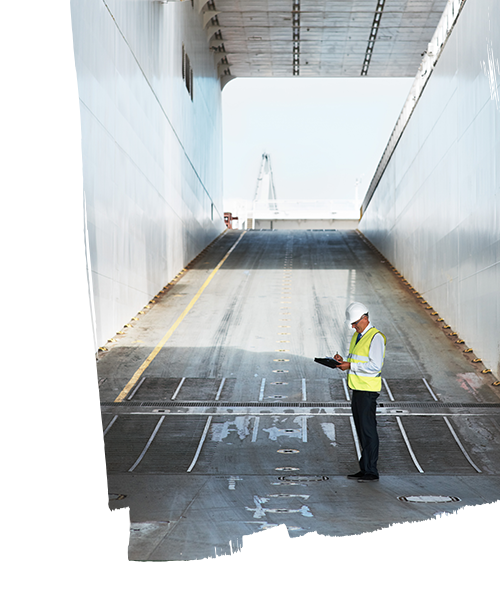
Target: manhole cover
{"x":287,"y":469}
{"x":279,"y":383}
{"x":281,"y":360}
{"x":288,"y":451}
{"x":428,"y":499}
{"x":278,"y":397}
{"x":280,"y":371}
{"x":279,"y":550}
{"x":93,"y":497}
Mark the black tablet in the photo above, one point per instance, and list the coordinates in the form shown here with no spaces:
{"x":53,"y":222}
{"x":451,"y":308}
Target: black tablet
{"x":328,"y":361}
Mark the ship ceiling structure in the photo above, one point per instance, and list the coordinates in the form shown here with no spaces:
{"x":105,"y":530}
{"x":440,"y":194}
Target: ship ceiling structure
{"x":319,"y":38}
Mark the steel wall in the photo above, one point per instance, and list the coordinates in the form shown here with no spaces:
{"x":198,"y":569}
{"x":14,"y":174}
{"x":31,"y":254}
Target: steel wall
{"x":436,"y":211}
{"x":152,"y":157}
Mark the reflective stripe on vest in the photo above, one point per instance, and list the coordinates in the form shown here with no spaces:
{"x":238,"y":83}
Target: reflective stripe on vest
{"x":359,"y":353}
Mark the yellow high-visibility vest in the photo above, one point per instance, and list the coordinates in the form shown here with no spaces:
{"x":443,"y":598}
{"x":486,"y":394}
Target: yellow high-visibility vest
{"x":358,"y":353}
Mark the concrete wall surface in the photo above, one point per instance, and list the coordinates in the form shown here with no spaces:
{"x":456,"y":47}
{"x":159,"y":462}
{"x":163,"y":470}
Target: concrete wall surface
{"x":152,"y":155}
{"x":435,"y":214}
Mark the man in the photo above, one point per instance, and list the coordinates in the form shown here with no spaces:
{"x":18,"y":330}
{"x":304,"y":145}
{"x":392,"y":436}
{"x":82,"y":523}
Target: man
{"x":364,"y":366}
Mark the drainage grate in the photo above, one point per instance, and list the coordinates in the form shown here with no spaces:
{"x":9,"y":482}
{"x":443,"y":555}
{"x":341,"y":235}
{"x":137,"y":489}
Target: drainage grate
{"x":288,"y":451}
{"x":428,"y":499}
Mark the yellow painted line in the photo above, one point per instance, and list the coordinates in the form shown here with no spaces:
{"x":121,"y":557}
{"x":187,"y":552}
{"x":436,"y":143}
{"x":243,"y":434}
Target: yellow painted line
{"x":124,"y":393}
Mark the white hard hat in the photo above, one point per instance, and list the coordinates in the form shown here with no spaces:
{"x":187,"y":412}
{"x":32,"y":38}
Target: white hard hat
{"x":354,"y":312}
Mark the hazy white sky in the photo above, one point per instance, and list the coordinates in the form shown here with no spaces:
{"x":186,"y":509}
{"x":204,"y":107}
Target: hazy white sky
{"x":321,"y":134}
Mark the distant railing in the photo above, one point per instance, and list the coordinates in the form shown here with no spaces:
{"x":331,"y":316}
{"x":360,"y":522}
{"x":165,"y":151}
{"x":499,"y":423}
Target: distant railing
{"x":430,"y":58}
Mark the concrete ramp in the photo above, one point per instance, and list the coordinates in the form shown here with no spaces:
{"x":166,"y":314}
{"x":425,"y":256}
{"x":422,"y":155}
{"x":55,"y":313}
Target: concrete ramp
{"x":218,"y":423}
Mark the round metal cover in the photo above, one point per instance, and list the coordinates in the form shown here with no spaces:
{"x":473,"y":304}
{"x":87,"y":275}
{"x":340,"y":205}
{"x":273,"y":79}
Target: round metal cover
{"x":428,"y":499}
{"x":93,"y":497}
{"x":279,"y":550}
{"x":288,"y":451}
{"x":278,"y":397}
{"x":280,"y":371}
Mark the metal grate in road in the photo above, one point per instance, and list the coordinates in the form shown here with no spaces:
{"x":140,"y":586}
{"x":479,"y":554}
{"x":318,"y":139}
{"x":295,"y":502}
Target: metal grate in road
{"x":427,"y":405}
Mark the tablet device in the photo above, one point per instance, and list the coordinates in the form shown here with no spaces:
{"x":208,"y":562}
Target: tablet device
{"x":328,"y":361}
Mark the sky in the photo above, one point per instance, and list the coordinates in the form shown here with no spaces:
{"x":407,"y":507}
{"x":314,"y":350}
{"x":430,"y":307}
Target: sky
{"x":322,"y":134}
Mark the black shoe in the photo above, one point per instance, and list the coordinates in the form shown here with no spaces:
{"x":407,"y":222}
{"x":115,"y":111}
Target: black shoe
{"x":355,"y":475}
{"x":367,"y":477}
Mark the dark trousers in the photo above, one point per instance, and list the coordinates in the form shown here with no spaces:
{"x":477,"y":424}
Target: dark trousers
{"x":364,"y":405}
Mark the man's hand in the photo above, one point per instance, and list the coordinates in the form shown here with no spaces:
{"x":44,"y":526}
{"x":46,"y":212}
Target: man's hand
{"x":343,"y":365}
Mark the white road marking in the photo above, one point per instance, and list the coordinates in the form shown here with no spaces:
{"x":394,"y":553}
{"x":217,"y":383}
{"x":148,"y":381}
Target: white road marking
{"x":408,"y":445}
{"x":304,"y":429}
{"x":304,"y":395}
{"x":202,"y":440}
{"x":431,"y":392}
{"x":346,"y":390}
{"x":355,"y":436}
{"x":136,"y":388}
{"x":255,"y":428}
{"x":388,"y":390}
{"x":336,"y":411}
{"x":259,"y":511}
{"x":262,"y":386}
{"x":329,"y":431}
{"x":232,"y":482}
{"x":220,"y":389}
{"x":150,"y":441}
{"x":240,"y":425}
{"x":275,"y":433}
{"x":178,"y":389}
{"x":460,"y":445}
{"x":96,"y":444}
